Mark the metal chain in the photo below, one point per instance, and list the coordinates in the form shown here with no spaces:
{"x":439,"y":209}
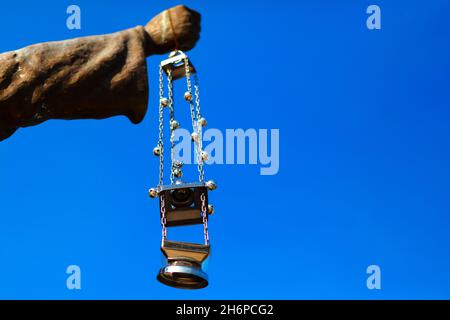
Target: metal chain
{"x":189,"y":89}
{"x":201,"y":172}
{"x":163,"y":220}
{"x":194,"y":117}
{"x":161,"y":128}
{"x":172,"y":131}
{"x":205,"y":218}
{"x":197,"y":96}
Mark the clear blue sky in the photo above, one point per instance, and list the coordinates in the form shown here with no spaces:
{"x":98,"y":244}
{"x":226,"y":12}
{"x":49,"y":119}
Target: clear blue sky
{"x":364,"y":158}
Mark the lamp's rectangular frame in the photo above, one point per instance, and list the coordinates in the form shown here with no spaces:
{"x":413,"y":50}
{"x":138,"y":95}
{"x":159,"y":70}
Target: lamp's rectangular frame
{"x":183,"y":216}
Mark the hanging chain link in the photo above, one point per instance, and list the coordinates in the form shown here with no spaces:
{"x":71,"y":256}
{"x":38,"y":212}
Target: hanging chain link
{"x":197,"y":96}
{"x":201,"y":172}
{"x":163,"y":220}
{"x":194,"y":105}
{"x":205,"y":218}
{"x":189,"y":89}
{"x":195,"y":126}
{"x":172,"y":130}
{"x":161,"y":128}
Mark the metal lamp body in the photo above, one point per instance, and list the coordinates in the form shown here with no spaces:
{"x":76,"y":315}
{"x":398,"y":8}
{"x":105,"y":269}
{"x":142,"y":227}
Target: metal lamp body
{"x":182,"y":204}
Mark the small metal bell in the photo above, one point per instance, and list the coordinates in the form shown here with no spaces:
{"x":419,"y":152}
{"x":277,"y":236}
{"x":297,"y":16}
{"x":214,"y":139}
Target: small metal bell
{"x":178,"y":173}
{"x":210,"y":209}
{"x":164,"y":102}
{"x":204,"y":155}
{"x":153,"y":193}
{"x":157,"y":151}
{"x":202,"y":122}
{"x":188,"y":96}
{"x":211,"y":185}
{"x":174,"y":124}
{"x":178,"y":164}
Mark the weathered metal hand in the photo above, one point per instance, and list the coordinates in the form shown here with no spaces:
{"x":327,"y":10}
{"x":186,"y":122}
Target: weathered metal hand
{"x":178,"y":27}
{"x":91,"y":77}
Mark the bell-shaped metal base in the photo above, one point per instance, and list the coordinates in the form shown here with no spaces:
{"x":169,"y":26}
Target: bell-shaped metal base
{"x":183,"y":274}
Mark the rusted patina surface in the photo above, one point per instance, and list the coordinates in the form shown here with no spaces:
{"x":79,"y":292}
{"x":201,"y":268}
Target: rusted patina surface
{"x":91,"y":77}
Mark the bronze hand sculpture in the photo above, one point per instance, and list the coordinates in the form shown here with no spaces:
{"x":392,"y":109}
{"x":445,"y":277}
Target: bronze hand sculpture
{"x":91,"y":77}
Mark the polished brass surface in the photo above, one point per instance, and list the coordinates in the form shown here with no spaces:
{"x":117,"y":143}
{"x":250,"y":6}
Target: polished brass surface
{"x":185,"y":276}
{"x":177,"y":250}
{"x":184,"y":265}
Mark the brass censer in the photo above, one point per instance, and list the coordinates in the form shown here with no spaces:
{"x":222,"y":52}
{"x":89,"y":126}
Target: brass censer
{"x":180,"y":203}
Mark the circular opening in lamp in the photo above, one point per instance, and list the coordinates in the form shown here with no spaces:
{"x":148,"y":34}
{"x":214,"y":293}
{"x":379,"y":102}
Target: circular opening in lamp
{"x":182,"y":198}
